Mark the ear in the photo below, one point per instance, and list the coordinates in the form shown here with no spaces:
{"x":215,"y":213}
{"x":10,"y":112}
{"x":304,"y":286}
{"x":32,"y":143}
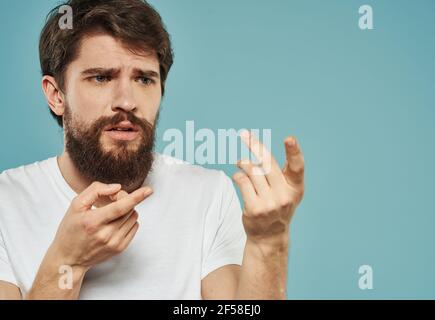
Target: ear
{"x":54,"y":95}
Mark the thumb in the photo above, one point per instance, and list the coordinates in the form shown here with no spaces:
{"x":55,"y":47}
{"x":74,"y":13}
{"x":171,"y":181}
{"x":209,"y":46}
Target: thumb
{"x":121,"y":194}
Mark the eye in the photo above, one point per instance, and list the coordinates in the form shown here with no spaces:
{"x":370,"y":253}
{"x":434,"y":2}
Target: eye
{"x":101,"y":78}
{"x":145,"y":80}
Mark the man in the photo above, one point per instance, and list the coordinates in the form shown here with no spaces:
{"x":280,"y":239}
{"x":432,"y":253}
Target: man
{"x":111,"y":219}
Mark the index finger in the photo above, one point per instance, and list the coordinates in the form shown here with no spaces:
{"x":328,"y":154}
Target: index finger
{"x":263,"y":155}
{"x":86,"y":199}
{"x":124,"y":205}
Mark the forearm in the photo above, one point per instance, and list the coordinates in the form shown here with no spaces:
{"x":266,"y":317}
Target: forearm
{"x":51,"y":283}
{"x":263,"y":273}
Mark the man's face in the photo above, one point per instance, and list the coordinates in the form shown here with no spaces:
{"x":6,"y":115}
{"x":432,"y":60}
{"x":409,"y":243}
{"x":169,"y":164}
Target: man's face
{"x":112,"y":98}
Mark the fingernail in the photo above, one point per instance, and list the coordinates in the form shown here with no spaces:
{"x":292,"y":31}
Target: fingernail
{"x":291,"y":142}
{"x":113,"y":185}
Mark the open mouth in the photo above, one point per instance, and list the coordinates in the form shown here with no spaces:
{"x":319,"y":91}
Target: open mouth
{"x":124,"y":130}
{"x":120,"y":129}
{"x":123,"y":126}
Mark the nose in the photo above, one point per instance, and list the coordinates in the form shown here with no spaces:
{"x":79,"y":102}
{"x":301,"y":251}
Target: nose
{"x":124,"y":99}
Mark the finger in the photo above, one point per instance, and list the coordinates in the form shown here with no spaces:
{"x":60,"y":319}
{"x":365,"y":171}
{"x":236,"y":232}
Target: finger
{"x":130,"y":235}
{"x":295,"y":166}
{"x":120,"y":221}
{"x":121,"y":194}
{"x":246,"y":188}
{"x":86,"y":199}
{"x":103,"y":201}
{"x":270,"y":166}
{"x":123,"y":229}
{"x":258,"y":180}
{"x":117,"y":223}
{"x":123,"y":206}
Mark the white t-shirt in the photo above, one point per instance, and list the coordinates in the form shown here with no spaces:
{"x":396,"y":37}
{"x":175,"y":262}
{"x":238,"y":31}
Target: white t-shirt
{"x":190,"y":226}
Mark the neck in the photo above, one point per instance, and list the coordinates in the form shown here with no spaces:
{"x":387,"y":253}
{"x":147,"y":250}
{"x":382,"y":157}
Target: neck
{"x":70,"y":173}
{"x":77,"y":181}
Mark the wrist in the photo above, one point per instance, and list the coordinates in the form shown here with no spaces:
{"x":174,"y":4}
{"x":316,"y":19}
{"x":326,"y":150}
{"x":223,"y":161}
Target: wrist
{"x":56,"y":260}
{"x":269,"y":248}
{"x":56,"y":278}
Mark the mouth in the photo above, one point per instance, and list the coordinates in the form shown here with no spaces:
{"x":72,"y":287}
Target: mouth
{"x":124,"y":130}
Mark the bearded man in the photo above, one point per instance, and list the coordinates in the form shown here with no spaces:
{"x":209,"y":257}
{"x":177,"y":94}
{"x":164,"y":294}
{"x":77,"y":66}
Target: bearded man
{"x":110,"y":218}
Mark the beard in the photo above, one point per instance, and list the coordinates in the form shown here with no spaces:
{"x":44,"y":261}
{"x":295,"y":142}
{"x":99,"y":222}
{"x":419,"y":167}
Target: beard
{"x":125,"y":162}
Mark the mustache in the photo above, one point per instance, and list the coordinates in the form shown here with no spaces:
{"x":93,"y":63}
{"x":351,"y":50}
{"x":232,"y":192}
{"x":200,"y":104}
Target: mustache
{"x":143,"y":124}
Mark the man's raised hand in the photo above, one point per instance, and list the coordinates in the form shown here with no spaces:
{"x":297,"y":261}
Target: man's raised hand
{"x":88,"y":234}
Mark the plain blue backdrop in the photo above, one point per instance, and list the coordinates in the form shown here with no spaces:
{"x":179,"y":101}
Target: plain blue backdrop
{"x":360,"y":102}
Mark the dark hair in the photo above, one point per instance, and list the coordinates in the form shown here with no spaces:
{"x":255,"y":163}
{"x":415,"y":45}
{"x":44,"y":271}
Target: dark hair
{"x":134,"y":22}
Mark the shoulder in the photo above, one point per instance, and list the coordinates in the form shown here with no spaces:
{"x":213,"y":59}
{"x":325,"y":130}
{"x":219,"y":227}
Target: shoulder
{"x":24,"y":177}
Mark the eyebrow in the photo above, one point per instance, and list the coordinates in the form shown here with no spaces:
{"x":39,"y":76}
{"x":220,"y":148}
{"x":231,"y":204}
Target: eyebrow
{"x":114,"y":72}
{"x":146,"y":73}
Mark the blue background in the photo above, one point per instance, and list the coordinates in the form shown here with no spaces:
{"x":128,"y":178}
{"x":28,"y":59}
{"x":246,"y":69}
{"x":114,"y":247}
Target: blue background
{"x":360,"y":102}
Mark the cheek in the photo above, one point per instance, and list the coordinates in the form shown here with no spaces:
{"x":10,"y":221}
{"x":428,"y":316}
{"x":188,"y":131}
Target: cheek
{"x":150,"y":105}
{"x":86,"y":102}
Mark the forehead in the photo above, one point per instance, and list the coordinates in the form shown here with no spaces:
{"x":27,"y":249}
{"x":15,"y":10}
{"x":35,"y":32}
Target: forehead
{"x":105,"y":51}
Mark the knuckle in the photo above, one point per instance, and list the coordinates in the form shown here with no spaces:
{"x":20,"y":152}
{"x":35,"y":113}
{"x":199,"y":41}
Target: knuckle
{"x":300,"y":194}
{"x":96,"y":184}
{"x":135,"y":215}
{"x":242,"y":178}
{"x":284,"y":202}
{"x":245,"y":164}
{"x":270,"y":206}
{"x":103,"y":238}
{"x":299,"y":168}
{"x":77,"y":202}
{"x":89,"y":226}
{"x":122,"y":194}
{"x":257,"y":210}
{"x":250,"y":169}
{"x":117,"y":210}
{"x":113,"y":246}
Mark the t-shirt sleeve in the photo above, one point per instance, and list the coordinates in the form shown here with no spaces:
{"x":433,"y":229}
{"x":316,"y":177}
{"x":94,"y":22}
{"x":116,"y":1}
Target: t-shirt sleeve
{"x":225,"y":236}
{"x":6,"y":273}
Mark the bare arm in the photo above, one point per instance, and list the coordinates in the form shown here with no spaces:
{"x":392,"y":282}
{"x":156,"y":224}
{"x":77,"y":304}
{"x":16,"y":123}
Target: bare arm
{"x":48,"y":283}
{"x":8,"y":291}
{"x":270,"y":200}
{"x":270,"y":196}
{"x":263,"y":275}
